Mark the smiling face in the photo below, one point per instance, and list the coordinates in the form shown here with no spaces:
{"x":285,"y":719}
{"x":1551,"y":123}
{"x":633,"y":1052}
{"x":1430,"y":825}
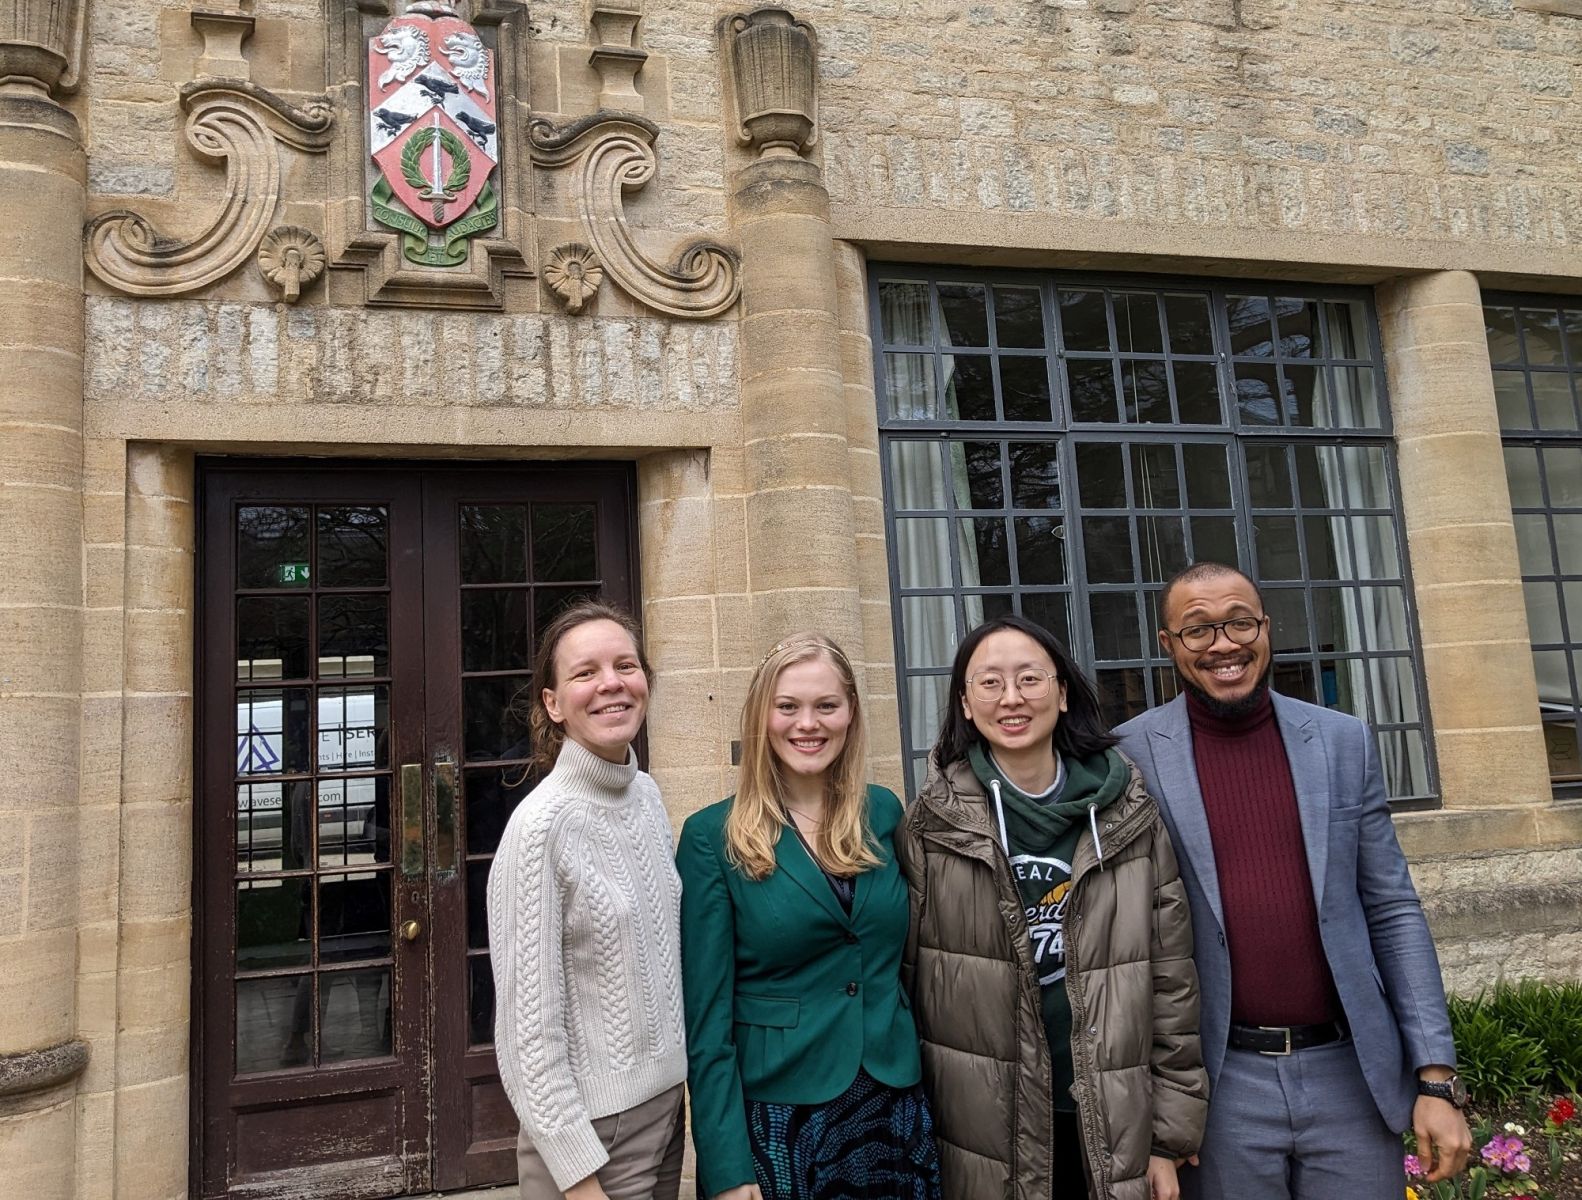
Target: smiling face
{"x":1014,"y":724}
{"x":1230,"y":678}
{"x":601,"y":694}
{"x":809,"y":716}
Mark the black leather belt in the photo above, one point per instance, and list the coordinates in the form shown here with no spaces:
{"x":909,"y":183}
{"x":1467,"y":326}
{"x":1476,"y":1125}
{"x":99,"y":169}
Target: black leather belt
{"x":1282,"y":1039}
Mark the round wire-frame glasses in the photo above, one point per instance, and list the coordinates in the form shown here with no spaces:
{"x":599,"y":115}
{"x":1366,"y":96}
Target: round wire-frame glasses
{"x":1031,"y":684}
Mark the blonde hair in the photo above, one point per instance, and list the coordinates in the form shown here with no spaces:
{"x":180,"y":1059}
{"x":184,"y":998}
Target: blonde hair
{"x":843,"y":844}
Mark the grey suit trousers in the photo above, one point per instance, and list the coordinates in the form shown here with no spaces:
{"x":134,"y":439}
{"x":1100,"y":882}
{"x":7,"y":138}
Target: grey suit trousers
{"x":1297,"y":1127}
{"x":645,"y":1146}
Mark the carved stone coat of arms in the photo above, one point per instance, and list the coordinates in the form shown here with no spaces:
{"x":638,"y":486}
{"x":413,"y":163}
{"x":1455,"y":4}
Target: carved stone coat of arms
{"x":432,"y":132}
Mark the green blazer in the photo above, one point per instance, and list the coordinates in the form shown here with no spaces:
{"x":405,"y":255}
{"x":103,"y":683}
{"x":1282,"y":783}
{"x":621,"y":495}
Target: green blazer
{"x":786,"y":996}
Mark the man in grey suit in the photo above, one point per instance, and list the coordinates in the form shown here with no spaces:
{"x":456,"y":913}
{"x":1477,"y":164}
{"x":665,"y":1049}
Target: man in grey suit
{"x":1323,"y":1019}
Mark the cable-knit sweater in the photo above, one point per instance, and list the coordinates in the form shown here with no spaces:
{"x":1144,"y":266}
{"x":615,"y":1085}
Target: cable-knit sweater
{"x":584,"y":912}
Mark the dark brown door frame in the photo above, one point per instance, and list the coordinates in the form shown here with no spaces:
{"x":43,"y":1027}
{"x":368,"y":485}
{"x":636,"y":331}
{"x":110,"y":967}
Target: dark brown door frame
{"x":451,"y":1092}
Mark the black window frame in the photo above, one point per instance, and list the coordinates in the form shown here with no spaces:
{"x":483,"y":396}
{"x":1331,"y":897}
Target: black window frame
{"x":1232,"y":432}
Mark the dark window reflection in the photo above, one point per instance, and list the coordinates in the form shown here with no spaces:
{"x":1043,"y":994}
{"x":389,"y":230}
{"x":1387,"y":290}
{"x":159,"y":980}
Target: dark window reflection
{"x":480,"y":1000}
{"x":490,"y":796}
{"x":962,"y":306}
{"x":969,"y":387}
{"x":1035,"y":474}
{"x":1041,"y":549}
{"x":494,"y":630}
{"x":478,"y":905}
{"x":354,"y":916}
{"x":271,"y":637}
{"x":564,"y":543}
{"x":976,"y":472}
{"x":354,"y":636}
{"x":272,"y":546}
{"x":492,"y":726}
{"x":1024,"y":382}
{"x":353,"y":546}
{"x":493,"y":543}
{"x":272,"y":924}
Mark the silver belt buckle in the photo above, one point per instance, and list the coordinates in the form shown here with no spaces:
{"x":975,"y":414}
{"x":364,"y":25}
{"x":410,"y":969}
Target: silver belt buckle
{"x":1285,"y":1029}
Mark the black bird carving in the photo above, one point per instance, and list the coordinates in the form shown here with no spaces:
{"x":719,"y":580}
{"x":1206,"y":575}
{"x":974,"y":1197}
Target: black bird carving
{"x":437,"y":89}
{"x":477,"y":127}
{"x":393,"y":122}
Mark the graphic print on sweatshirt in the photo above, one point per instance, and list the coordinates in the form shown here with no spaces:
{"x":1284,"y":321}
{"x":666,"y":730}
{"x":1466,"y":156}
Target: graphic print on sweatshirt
{"x":1046,"y":917}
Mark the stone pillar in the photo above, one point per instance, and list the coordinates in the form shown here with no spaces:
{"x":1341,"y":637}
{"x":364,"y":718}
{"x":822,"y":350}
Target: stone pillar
{"x":42,"y":196}
{"x":1477,"y":655}
{"x":801,"y":555}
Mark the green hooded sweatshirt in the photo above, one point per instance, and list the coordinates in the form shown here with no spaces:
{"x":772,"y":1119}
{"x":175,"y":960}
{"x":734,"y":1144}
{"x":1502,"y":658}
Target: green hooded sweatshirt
{"x":1040,"y":836}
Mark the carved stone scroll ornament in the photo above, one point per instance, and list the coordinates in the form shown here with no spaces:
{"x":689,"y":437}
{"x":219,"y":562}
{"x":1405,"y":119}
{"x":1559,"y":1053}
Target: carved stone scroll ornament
{"x":232,"y":122}
{"x":291,"y":258}
{"x":613,"y":154}
{"x":773,"y":63}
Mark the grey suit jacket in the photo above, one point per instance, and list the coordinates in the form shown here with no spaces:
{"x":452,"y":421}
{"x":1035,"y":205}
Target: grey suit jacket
{"x":1370,"y":920}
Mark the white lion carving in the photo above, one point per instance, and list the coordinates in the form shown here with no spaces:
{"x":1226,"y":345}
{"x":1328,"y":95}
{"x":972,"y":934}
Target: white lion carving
{"x":406,"y":46}
{"x":470,"y":59}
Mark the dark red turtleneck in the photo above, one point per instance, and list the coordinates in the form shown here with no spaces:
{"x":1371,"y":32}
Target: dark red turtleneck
{"x":1278,"y":972}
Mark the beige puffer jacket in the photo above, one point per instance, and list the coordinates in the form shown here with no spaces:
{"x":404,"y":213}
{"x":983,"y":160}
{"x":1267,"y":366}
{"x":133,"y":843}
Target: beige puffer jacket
{"x":1140,"y":1082}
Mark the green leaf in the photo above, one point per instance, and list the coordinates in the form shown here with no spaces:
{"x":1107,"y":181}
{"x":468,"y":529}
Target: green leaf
{"x":460,"y":160}
{"x":412,"y":158}
{"x":1480,"y":1182}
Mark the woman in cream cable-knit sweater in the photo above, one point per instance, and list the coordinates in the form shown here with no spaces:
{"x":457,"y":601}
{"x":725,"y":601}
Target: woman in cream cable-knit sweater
{"x":583,"y":912}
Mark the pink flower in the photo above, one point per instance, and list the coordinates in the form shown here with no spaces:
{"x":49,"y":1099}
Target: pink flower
{"x":1413,"y":1165}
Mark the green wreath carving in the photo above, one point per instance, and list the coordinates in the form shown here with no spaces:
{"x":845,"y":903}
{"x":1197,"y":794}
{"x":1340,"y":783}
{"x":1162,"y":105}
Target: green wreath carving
{"x":460,"y":163}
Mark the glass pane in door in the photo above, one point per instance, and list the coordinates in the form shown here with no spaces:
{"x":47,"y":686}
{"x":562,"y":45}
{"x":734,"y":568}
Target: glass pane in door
{"x":314,"y":878}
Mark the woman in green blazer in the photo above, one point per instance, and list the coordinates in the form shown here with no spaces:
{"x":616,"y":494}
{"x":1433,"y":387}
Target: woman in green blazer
{"x":802,"y":1055}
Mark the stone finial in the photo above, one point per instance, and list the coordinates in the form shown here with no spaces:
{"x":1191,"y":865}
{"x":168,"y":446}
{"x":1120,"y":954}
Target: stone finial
{"x":615,"y":54}
{"x":773,"y":61}
{"x":291,"y":258}
{"x":40,"y":45}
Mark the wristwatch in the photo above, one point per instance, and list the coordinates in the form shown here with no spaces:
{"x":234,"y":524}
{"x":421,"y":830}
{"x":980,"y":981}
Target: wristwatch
{"x":1451,"y":1089}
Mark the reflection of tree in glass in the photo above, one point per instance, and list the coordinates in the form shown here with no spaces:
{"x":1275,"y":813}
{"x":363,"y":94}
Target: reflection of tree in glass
{"x":352,"y":545}
{"x":1035,"y":474}
{"x":563,"y":543}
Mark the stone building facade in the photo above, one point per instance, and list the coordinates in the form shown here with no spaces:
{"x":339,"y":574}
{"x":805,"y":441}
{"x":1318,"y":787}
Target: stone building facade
{"x":739,"y":287}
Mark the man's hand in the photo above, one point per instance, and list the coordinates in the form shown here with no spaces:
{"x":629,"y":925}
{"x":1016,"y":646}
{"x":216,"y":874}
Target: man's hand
{"x":1443,"y":1139}
{"x":748,"y":1191}
{"x":586,"y":1189}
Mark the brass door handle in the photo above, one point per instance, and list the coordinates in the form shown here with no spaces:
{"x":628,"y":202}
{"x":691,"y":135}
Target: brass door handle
{"x":410,"y":930}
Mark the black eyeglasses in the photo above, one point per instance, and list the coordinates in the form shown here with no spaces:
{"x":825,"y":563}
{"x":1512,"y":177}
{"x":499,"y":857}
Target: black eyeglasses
{"x":1243,"y":631}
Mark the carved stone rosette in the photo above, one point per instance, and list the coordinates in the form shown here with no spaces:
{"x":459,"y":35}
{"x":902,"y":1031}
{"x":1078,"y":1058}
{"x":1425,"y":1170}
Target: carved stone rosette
{"x":613,"y":154}
{"x":573,"y":274}
{"x":773,"y":62}
{"x":231,"y":122}
{"x":291,"y":258}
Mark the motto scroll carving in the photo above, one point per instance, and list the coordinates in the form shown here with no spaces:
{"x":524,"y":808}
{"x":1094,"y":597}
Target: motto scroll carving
{"x":229,"y":121}
{"x":614,"y":154}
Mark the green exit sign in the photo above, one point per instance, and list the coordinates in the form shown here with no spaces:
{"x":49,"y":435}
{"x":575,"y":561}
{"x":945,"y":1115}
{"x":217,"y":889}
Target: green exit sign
{"x":293,"y":573}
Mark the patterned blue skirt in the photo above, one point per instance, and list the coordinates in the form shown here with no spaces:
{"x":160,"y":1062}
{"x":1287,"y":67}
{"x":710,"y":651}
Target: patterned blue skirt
{"x":871,"y":1142}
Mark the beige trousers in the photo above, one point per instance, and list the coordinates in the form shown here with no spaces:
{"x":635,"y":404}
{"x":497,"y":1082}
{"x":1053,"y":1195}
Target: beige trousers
{"x":645,"y":1145}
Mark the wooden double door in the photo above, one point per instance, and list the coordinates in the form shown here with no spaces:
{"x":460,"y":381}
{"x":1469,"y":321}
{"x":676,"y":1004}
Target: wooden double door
{"x":365,"y":645}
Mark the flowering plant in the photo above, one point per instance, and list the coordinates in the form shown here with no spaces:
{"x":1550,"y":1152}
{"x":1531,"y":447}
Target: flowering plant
{"x":1508,"y":1162}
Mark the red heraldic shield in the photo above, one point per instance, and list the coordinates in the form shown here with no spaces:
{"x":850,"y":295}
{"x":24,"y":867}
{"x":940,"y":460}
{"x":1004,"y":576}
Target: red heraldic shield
{"x":431,"y":112}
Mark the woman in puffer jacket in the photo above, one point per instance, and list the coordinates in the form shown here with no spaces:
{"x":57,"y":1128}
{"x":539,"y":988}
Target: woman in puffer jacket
{"x":1050,"y":953}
